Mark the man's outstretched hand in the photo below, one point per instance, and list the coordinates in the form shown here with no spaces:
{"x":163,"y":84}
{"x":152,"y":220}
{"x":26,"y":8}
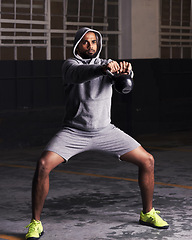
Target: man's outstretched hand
{"x":118,"y":68}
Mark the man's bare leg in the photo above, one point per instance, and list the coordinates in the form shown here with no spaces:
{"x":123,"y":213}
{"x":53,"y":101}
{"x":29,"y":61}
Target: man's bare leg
{"x":40,"y":188}
{"x":145,"y":162}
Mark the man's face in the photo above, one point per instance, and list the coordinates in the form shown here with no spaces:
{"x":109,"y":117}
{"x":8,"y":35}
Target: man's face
{"x":87,"y":48}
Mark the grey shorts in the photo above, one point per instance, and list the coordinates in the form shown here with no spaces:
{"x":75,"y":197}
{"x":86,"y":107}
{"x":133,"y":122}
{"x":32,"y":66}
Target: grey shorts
{"x":69,"y":142}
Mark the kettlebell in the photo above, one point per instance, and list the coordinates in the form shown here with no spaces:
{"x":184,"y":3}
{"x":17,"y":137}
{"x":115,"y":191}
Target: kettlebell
{"x":123,"y":83}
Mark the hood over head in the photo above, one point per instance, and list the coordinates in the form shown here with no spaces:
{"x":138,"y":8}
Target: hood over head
{"x":80,"y":34}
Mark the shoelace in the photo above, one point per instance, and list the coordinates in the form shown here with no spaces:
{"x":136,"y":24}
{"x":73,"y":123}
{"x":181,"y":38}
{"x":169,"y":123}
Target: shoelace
{"x":156,"y":216}
{"x":157,"y":211}
{"x":32,"y":226}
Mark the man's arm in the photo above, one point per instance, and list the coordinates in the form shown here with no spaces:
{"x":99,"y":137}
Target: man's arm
{"x":74,"y":72}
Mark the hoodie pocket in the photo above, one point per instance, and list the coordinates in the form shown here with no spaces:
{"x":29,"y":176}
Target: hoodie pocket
{"x":93,"y":114}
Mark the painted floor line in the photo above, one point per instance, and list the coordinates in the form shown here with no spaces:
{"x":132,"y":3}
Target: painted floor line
{"x":125,"y":179}
{"x":10,"y":237}
{"x":100,"y":176}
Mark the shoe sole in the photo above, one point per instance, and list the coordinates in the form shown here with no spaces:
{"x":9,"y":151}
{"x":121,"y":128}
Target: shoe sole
{"x":32,"y":238}
{"x":152,"y":225}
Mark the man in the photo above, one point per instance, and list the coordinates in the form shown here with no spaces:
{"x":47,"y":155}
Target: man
{"x":87,"y":126}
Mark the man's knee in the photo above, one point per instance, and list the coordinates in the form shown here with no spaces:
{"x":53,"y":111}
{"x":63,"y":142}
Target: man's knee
{"x":149,"y":161}
{"x":139,"y":157}
{"x":42,"y":165}
{"x":47,"y":162}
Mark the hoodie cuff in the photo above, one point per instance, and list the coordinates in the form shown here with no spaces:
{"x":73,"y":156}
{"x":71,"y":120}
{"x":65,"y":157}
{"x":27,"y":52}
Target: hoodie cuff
{"x":99,"y":71}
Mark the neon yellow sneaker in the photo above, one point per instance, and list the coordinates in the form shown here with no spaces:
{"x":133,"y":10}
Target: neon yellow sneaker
{"x":35,"y":230}
{"x":153,"y":219}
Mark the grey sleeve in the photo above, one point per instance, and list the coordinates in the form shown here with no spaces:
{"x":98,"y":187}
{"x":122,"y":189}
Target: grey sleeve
{"x":75,"y":72}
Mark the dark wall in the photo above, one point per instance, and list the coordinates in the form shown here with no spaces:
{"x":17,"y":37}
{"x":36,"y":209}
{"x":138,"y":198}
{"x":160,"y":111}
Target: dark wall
{"x":31,"y":99}
{"x":30,"y":84}
{"x":162,"y":97}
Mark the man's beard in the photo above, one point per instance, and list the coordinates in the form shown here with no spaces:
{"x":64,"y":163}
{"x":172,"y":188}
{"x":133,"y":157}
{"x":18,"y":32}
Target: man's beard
{"x":87,"y":55}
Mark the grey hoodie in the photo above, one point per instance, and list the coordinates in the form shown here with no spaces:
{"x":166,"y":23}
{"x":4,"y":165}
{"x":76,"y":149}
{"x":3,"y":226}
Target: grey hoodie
{"x":87,"y":90}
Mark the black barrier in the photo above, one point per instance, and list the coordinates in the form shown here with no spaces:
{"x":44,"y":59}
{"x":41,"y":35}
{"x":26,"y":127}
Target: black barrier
{"x":30,"y":84}
{"x":160,"y":101}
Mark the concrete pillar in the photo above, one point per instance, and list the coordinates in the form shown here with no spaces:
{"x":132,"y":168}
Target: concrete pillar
{"x":145,"y":28}
{"x":125,"y":41}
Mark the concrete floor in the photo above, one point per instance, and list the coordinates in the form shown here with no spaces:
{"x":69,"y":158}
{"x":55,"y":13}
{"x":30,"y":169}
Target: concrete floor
{"x":96,"y":197}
